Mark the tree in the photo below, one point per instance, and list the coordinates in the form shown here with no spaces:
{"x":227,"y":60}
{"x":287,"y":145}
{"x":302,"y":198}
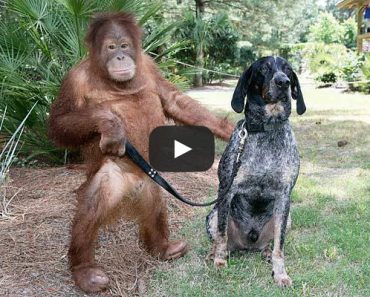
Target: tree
{"x":339,"y":14}
{"x":327,"y":29}
{"x":350,"y":33}
{"x":269,"y":24}
{"x":199,"y":30}
{"x":330,"y":30}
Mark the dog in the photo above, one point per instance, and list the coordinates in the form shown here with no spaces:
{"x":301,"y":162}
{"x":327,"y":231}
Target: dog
{"x":259,"y":167}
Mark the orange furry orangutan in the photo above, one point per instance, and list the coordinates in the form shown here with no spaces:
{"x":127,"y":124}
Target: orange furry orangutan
{"x":114,"y":95}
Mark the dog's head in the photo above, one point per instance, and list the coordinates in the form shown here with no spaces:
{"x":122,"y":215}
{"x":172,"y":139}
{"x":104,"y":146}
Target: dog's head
{"x":268,"y":81}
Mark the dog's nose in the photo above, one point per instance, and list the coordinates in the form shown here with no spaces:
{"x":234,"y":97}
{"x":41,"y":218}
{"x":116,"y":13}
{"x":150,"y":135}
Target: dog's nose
{"x":282,"y":81}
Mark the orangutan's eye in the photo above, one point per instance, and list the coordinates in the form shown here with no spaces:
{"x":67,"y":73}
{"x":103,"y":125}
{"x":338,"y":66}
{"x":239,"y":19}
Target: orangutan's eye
{"x":111,"y":46}
{"x":124,"y":45}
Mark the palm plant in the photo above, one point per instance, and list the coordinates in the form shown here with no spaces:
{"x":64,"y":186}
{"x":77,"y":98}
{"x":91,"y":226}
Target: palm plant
{"x":205,"y":36}
{"x":39,"y":41}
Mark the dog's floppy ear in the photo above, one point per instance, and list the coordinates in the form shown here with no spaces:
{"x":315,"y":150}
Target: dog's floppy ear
{"x":297,"y":94}
{"x":237,"y":103}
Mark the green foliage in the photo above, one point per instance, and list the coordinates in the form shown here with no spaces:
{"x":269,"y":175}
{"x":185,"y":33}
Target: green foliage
{"x":329,"y":30}
{"x":247,"y":54}
{"x":350,"y":32}
{"x":327,"y":77}
{"x":39,"y":42}
{"x":294,"y":54}
{"x":332,"y":61}
{"x":268,"y":24}
{"x":366,"y":66}
{"x":218,"y":38}
{"x":223,"y":38}
{"x":340,"y":14}
{"x":222,"y":69}
{"x":351,"y":67}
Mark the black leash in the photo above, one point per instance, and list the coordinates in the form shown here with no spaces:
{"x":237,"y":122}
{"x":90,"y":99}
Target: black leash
{"x":242,"y":134}
{"x":155,"y":176}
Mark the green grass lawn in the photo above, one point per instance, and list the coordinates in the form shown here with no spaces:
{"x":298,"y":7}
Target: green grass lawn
{"x":328,"y":249}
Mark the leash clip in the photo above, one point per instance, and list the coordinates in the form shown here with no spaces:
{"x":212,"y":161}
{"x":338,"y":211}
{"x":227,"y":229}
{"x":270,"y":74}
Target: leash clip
{"x":243,"y":134}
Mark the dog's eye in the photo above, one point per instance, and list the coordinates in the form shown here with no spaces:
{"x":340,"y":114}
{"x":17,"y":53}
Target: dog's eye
{"x":288,"y":71}
{"x":265,"y":69}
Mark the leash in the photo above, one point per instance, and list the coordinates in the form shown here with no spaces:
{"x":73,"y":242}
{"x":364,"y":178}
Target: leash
{"x":157,"y":178}
{"x":242,"y":134}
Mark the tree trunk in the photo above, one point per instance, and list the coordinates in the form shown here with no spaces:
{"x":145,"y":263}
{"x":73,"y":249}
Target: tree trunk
{"x":198,"y":78}
{"x":199,"y":60}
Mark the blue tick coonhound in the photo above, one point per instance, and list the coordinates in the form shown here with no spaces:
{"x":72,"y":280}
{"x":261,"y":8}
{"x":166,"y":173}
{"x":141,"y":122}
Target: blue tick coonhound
{"x":259,"y":167}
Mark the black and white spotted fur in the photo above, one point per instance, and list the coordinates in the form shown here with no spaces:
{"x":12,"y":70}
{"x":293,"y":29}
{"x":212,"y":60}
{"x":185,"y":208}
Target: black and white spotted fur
{"x":254,"y":198}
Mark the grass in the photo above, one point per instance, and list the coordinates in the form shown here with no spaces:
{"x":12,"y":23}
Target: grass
{"x":328,"y":249}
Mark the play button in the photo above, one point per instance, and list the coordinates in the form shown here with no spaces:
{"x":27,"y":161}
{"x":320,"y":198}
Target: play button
{"x":181,"y":149}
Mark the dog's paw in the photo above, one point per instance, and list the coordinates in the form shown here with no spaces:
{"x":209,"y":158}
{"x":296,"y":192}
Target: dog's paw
{"x":282,"y":280}
{"x":267,"y":255}
{"x":220,"y":263}
{"x":211,"y":256}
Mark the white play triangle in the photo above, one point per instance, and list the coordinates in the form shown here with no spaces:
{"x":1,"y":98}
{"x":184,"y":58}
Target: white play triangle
{"x":181,"y":149}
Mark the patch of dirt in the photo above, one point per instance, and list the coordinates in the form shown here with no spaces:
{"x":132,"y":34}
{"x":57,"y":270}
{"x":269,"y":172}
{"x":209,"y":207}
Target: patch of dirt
{"x":34,"y":234}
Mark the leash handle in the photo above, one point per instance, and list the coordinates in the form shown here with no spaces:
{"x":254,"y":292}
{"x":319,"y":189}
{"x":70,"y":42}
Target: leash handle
{"x":157,"y":178}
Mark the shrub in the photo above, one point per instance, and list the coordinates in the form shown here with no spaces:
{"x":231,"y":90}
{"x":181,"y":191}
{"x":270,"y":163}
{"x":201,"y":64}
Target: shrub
{"x":247,"y":54}
{"x":221,"y":68}
{"x":324,"y":60}
{"x":349,"y":38}
{"x":218,"y":37}
{"x":366,"y":66}
{"x":351,"y":67}
{"x":327,"y":30}
{"x":327,"y":77}
{"x":294,"y":54}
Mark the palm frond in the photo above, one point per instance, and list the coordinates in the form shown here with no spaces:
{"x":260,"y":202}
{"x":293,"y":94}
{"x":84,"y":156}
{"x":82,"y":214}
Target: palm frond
{"x":151,"y":11}
{"x":158,"y":37}
{"x":80,"y":8}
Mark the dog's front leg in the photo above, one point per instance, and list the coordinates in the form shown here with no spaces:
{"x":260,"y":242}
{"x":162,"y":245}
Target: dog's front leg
{"x":220,"y":238}
{"x":281,"y":213}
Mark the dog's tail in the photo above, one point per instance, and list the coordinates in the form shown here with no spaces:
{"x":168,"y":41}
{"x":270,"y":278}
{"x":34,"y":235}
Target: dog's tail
{"x":253,"y":235}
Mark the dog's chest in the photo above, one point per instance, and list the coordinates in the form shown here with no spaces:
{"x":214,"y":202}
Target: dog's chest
{"x":269,"y":158}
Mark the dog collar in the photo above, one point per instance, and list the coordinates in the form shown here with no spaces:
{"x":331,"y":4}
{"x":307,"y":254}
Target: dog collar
{"x":256,"y":128}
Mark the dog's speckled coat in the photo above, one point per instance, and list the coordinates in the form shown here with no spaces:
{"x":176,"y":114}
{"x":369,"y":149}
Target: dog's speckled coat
{"x":255,"y":199}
